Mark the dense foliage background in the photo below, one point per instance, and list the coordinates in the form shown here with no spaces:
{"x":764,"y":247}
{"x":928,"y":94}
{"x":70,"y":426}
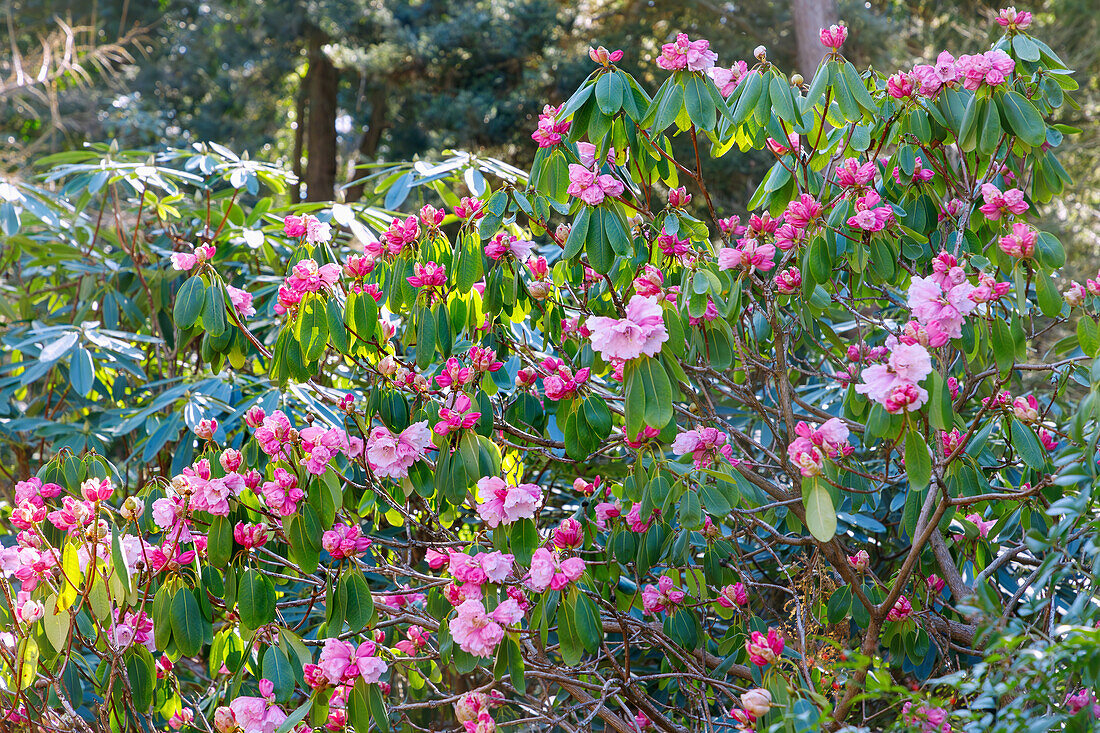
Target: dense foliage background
{"x":166,"y":298}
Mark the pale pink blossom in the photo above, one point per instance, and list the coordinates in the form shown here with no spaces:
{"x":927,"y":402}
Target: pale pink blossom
{"x":641,"y":332}
{"x":392,"y":455}
{"x":503,"y":503}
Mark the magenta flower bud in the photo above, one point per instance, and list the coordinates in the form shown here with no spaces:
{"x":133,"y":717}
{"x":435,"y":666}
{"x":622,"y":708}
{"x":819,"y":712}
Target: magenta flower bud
{"x":834,"y":36}
{"x":206,"y":429}
{"x":254,"y":417}
{"x":734,"y":595}
{"x":230,"y":459}
{"x":224,"y":720}
{"x":569,"y":534}
{"x":860,"y":561}
{"x":902,"y":610}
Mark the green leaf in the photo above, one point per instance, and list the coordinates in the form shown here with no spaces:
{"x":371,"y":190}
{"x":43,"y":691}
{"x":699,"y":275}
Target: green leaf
{"x":213,"y":314}
{"x":609,"y":93}
{"x":941,"y":413}
{"x":190,"y":301}
{"x":856,"y":88}
{"x":1049,"y":251}
{"x":1028,"y":446}
{"x":587,"y":619}
{"x":746,"y":102}
{"x":186,"y":622}
{"x":918,"y":462}
{"x":1088,"y":335}
{"x":697,"y":101}
{"x":1023,"y":119}
{"x":219,"y":542}
{"x":782,"y":102}
{"x":1050,"y":300}
{"x":311,"y":328}
{"x":255,"y":599}
{"x":141,"y":674}
{"x":1025,"y":48}
{"x":820,"y":513}
{"x":81,"y":371}
{"x":658,"y":392}
{"x":1004,"y":346}
{"x":601,"y":255}
{"x":337,"y":331}
{"x":276,"y":667}
{"x":360,"y":602}
{"x":840,"y":604}
{"x":578,"y":233}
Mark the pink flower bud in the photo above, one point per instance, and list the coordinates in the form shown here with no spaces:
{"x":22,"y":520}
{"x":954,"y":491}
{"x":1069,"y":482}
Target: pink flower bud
{"x":569,"y":534}
{"x":206,"y":429}
{"x":757,"y":702}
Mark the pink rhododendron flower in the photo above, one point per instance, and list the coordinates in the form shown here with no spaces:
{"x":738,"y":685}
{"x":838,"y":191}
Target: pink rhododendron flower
{"x":1009,"y":18}
{"x":991,"y":68}
{"x":604,"y":57}
{"x":341,"y":662}
{"x":834,"y":36}
{"x":902,"y":610}
{"x":250,"y":536}
{"x":187,"y":260}
{"x":944,"y":307}
{"x":549,"y":131}
{"x":343,"y":541}
{"x":661,"y":597}
{"x":705,"y":446}
{"x":569,"y":534}
{"x":478,"y":632}
{"x":392,"y":455}
{"x":684,"y":53}
{"x":592,"y":187}
{"x":459,"y":417}
{"x":860,"y":561}
{"x":899,"y":378}
{"x":641,"y":332}
{"x":749,"y":253}
{"x":1021,"y":242}
{"x":983,"y":525}
{"x":733,"y":595}
{"x":851,"y":173}
{"x":789,"y":281}
{"x":757,"y":702}
{"x":504,"y":503}
{"x":764,"y":650}
{"x":548,"y":570}
{"x":869,"y":215}
{"x":997,"y":203}
{"x":401,"y":234}
{"x":934,"y":78}
{"x":902,"y":85}
{"x":428,"y":275}
{"x":919,"y":175}
{"x":727,"y":79}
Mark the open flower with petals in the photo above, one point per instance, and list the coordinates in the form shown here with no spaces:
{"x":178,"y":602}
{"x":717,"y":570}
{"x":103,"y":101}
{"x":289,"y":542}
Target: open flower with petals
{"x":641,"y":332}
{"x":548,"y":570}
{"x":392,"y":455}
{"x":478,"y":632}
{"x":503,"y":503}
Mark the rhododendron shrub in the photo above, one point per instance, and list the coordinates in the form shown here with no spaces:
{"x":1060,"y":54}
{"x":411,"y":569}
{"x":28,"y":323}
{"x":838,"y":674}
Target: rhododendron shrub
{"x":577,"y":450}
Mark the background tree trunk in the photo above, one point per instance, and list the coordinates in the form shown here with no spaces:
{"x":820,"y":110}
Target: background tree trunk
{"x":809,"y":17}
{"x":322,"y":83}
{"x":368,"y":144}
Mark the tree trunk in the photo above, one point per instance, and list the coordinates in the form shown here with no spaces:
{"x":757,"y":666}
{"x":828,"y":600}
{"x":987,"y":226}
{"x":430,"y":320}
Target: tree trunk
{"x":809,"y":17}
{"x":299,"y":140}
{"x":368,"y":144}
{"x":322,"y":81}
